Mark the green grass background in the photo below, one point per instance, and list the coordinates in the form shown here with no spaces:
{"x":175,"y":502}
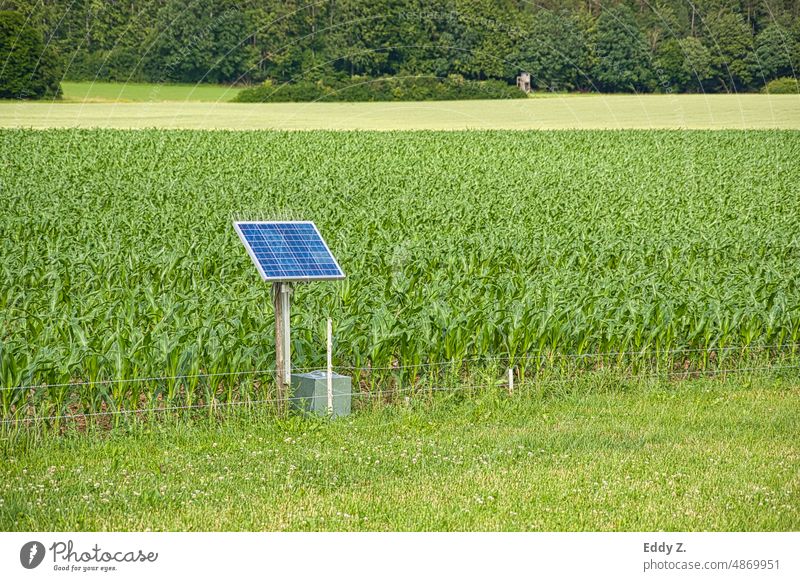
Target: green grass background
{"x":595,"y":454}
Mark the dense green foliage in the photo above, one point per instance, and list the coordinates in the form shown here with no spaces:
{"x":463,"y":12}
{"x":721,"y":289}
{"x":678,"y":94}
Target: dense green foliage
{"x":29,"y":69}
{"x":588,"y":45}
{"x":120,"y":261}
{"x":621,"y":53}
{"x":384,"y":89}
{"x":782,"y":86}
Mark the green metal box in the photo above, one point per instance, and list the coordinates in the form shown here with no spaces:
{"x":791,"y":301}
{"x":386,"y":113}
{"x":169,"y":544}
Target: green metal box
{"x":310,"y":393}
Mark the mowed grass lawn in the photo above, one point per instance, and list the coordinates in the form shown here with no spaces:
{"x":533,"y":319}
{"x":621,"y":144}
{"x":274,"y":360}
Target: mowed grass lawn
{"x":145,"y":92}
{"x":182,"y":111}
{"x":701,"y":455}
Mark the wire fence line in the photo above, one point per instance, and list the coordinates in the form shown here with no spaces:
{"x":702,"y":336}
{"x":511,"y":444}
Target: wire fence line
{"x":576,"y":356}
{"x":542,"y":358}
{"x":180,"y":407}
{"x":138,"y":379}
{"x":413,"y":389}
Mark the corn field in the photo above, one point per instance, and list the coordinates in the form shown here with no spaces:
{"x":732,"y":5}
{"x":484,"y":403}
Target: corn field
{"x":124,"y":286}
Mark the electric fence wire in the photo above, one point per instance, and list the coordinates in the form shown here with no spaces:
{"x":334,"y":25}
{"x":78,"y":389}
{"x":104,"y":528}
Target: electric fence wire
{"x":688,"y":374}
{"x":576,"y":356}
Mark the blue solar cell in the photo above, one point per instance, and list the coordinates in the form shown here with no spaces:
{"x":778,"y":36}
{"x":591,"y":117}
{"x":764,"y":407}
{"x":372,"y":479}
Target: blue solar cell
{"x":288,"y":250}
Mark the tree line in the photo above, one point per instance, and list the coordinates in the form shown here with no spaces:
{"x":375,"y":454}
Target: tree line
{"x":566,"y":45}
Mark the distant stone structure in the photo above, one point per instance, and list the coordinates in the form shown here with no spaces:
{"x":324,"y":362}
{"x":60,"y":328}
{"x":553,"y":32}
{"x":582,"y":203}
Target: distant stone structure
{"x":524,"y":82}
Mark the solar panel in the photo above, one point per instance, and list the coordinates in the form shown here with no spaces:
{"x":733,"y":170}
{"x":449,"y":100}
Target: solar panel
{"x":288,"y":251}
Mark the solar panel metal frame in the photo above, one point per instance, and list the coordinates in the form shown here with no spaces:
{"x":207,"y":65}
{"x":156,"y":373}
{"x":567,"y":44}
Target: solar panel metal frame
{"x":254,"y":258}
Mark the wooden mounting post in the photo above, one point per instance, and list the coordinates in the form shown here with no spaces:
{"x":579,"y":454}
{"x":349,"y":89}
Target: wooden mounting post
{"x":281,"y":294}
{"x":330,"y":368}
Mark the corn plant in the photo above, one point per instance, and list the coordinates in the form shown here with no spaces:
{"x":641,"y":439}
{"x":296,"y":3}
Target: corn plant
{"x":466,"y":253}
